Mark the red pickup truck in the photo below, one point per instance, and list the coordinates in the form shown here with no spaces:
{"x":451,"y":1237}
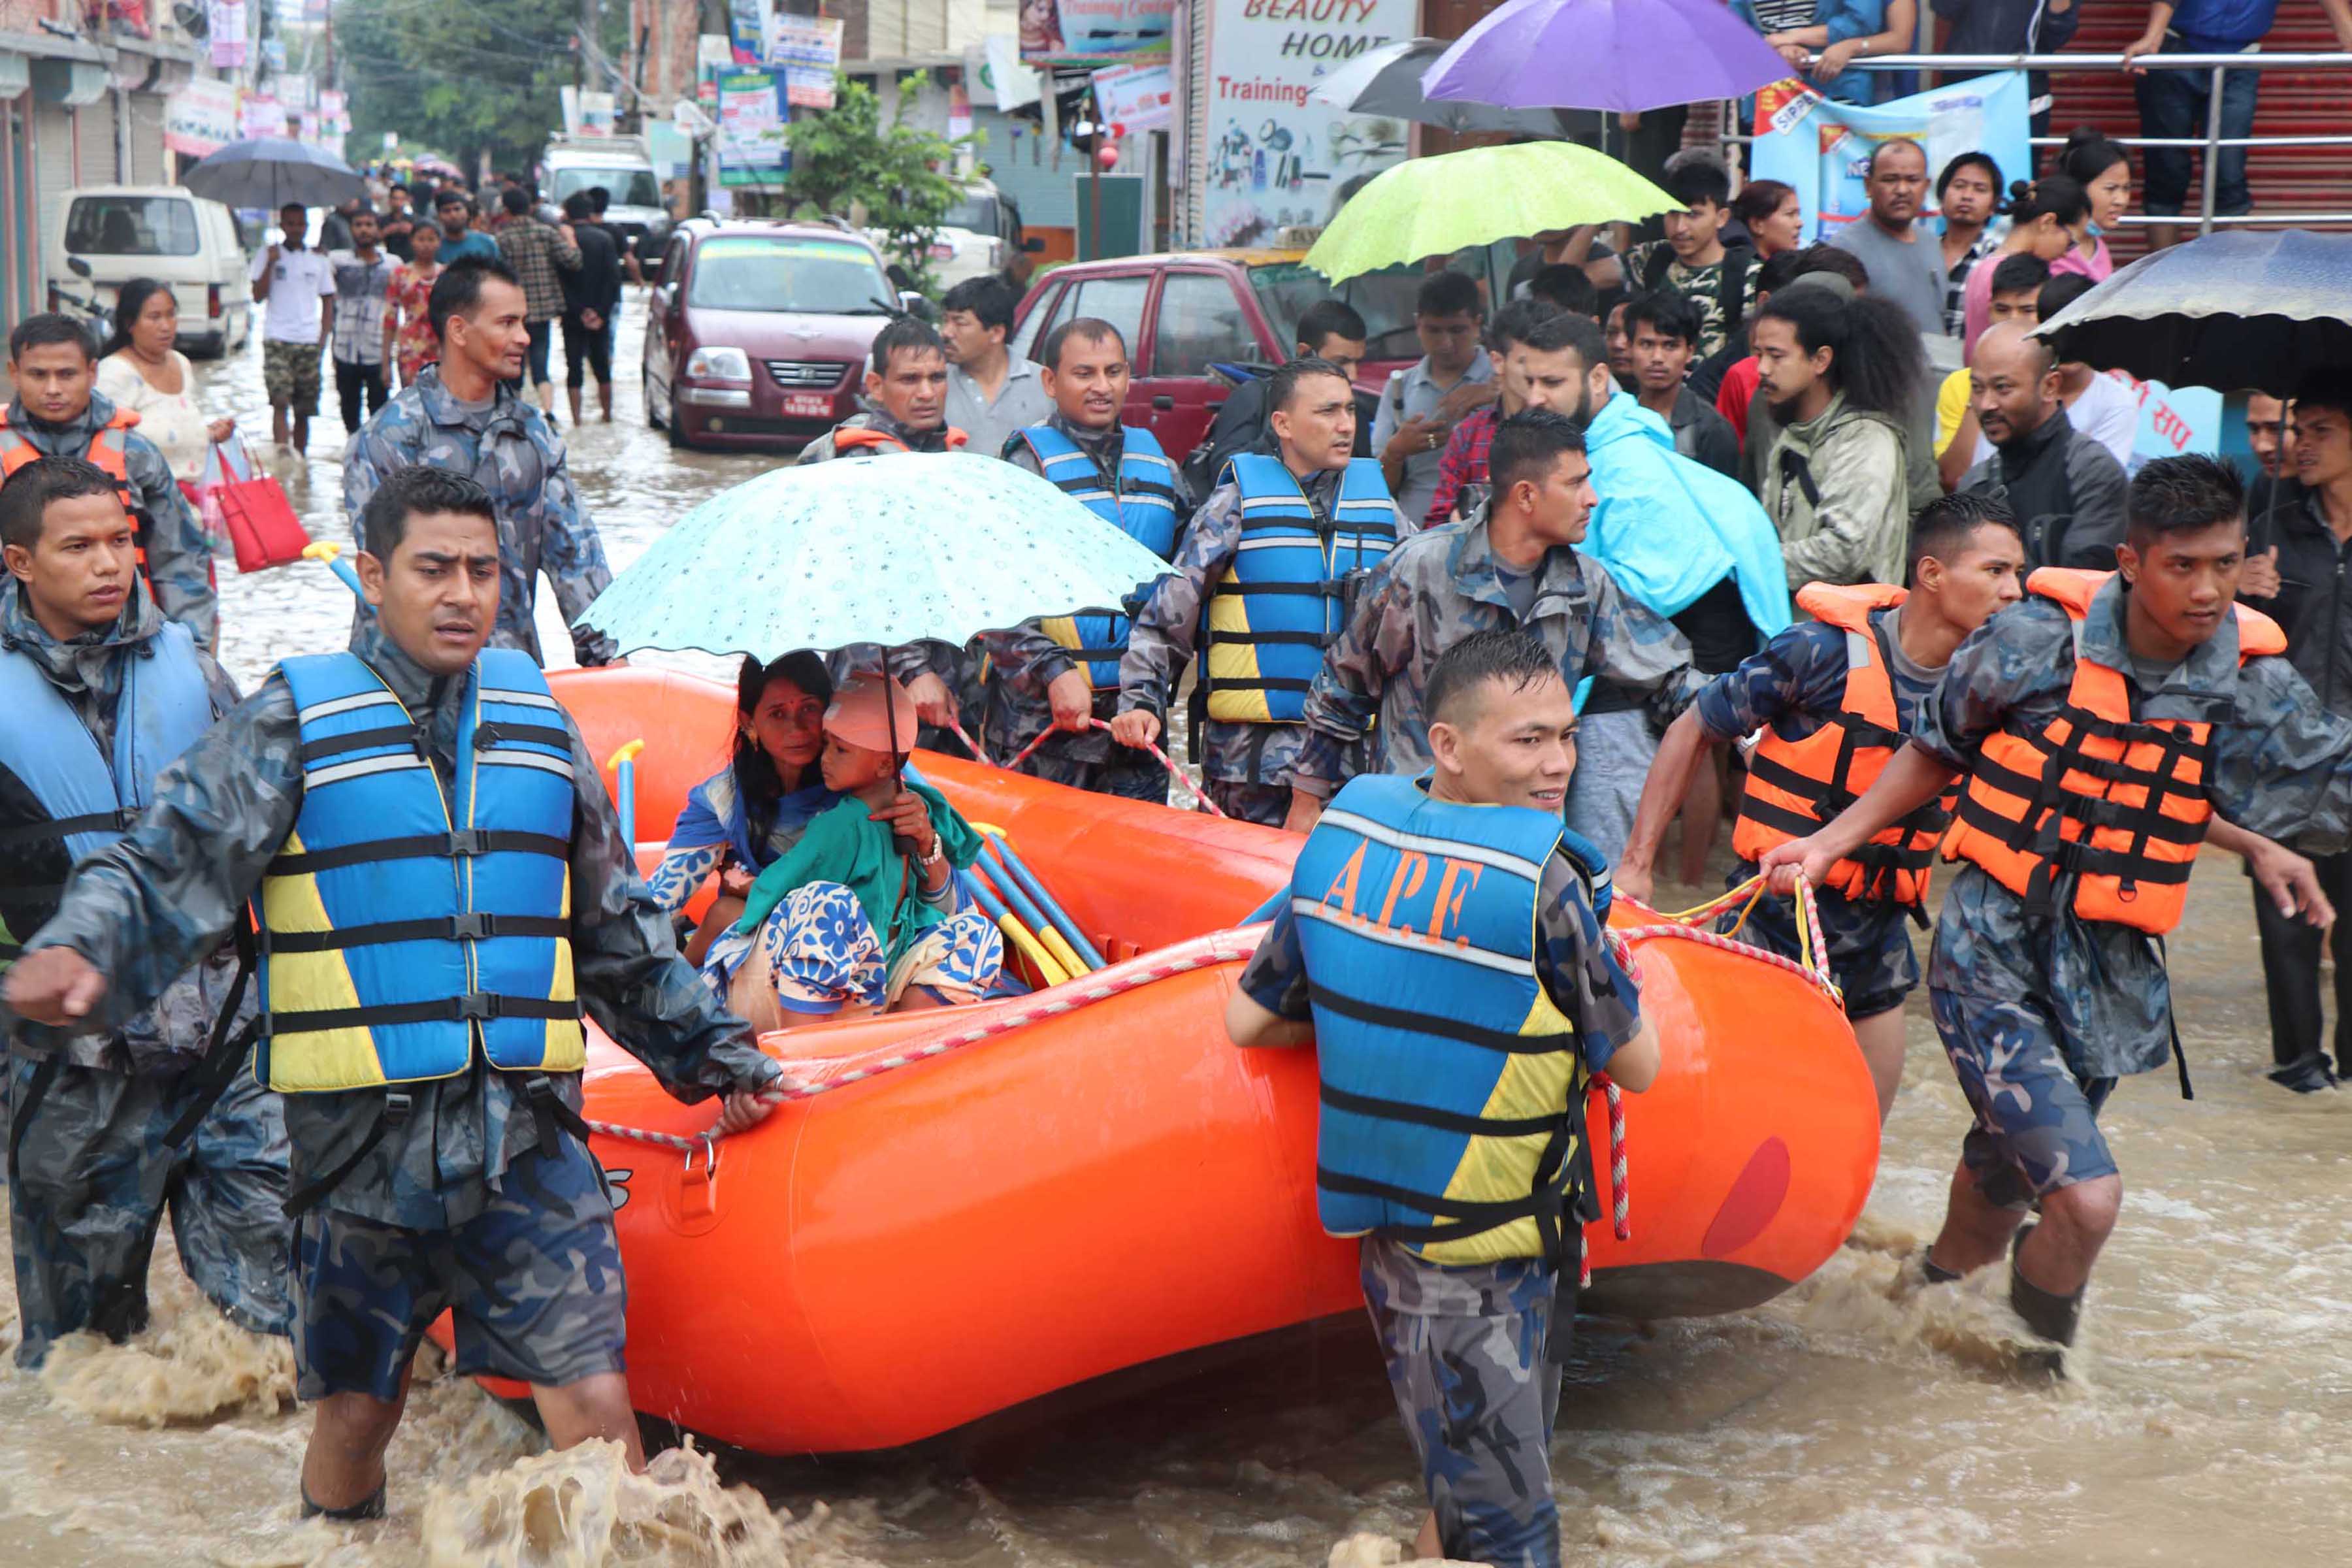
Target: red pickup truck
{"x":1185,"y":310}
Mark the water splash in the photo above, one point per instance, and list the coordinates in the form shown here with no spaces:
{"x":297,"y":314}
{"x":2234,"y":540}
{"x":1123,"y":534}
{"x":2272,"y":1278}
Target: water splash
{"x":583,"y":1508}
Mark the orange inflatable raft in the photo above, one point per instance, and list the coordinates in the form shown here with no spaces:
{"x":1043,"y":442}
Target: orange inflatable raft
{"x":1111,"y":1182}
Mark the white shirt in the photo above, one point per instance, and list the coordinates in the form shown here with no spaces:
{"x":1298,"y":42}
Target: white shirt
{"x":2108,"y":412}
{"x":292,"y":314}
{"x":170,"y":420}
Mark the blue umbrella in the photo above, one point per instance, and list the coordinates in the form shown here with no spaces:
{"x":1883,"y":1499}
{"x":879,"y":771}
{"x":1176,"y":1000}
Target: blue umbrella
{"x":2237,"y":310}
{"x":899,"y":548}
{"x":269,"y":172}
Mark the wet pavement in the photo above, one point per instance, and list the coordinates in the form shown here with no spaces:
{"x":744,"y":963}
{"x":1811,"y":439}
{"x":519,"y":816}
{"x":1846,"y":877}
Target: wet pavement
{"x":633,"y":484}
{"x":1833,"y":1427}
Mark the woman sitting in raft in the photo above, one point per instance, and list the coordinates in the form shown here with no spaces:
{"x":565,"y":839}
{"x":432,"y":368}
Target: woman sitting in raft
{"x":862,"y":914}
{"x":743,"y":818}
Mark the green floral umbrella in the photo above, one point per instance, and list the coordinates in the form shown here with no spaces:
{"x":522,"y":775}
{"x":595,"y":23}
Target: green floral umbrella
{"x":1431,"y":206}
{"x":887,"y":550}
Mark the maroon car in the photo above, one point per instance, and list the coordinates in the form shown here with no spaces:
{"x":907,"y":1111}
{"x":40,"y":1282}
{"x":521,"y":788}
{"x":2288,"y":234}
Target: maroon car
{"x":1186,"y":311}
{"x":758,"y":333}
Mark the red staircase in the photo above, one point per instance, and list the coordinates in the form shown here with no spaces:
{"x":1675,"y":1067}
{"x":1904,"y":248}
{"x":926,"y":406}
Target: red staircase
{"x":2294,"y":103}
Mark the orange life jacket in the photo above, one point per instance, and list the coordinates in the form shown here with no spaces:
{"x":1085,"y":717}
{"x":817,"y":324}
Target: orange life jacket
{"x":1795,"y":787}
{"x":856,"y":437}
{"x":109,"y":449}
{"x":2116,"y":801}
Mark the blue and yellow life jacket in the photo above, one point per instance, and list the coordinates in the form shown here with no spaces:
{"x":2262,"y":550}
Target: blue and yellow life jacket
{"x":76,"y":800}
{"x":1143,"y":505}
{"x":1282,"y":601}
{"x":1453,"y":1088}
{"x":398,"y":928}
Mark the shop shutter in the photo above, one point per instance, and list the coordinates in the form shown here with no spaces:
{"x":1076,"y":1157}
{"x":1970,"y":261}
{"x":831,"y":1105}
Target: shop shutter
{"x":53,"y":136}
{"x":149,"y":164}
{"x":1192,"y":213}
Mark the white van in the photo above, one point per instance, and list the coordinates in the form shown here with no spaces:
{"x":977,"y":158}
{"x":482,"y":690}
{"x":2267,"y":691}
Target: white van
{"x":638,"y":216}
{"x":162,"y":232}
{"x":981,"y":233}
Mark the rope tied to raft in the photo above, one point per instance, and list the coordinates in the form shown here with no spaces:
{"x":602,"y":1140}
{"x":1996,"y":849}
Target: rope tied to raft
{"x":1099,"y":986}
{"x":1162,"y":758}
{"x":1813,"y":948}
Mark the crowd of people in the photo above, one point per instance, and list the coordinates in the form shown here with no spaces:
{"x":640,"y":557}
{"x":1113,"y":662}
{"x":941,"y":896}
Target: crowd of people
{"x":362,"y":297}
{"x":1683,"y":531}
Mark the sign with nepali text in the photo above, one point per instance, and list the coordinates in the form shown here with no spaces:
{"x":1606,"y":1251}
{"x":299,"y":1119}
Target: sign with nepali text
{"x":200,"y":117}
{"x":752,"y":147}
{"x":262,"y":117}
{"x":1135,"y":97}
{"x":1273,"y":158}
{"x":1822,"y":149}
{"x":808,"y":48}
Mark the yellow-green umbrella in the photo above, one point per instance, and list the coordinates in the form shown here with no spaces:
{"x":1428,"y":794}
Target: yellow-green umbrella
{"x":1430,"y":206}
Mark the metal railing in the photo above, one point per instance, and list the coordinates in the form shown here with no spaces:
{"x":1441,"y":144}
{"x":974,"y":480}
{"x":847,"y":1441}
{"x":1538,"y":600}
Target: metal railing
{"x":2209,"y":145}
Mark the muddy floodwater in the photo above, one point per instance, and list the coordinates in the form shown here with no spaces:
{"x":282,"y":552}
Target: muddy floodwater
{"x":1832,"y":1426}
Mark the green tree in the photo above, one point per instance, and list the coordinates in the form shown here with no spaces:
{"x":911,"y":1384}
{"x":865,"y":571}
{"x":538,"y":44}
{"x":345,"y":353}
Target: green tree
{"x":462,"y":76}
{"x":897,"y":171}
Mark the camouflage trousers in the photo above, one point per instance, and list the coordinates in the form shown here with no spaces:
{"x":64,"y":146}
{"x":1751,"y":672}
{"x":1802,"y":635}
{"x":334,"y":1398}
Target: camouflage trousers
{"x":1127,"y":772}
{"x":1465,"y":1348}
{"x":1870,"y":955}
{"x":1614,"y":753}
{"x":533,"y":1283}
{"x":2037,"y":1126}
{"x":91,"y":1178}
{"x":1268,"y":805}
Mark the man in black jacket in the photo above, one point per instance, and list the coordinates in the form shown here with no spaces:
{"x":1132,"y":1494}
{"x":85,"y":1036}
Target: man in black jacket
{"x":2304,"y":581}
{"x":1327,"y":330}
{"x":2066,"y":487}
{"x":592,"y":297}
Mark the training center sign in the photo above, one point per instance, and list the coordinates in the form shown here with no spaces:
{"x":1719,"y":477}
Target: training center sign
{"x":1273,"y":158}
{"x":1822,"y":149}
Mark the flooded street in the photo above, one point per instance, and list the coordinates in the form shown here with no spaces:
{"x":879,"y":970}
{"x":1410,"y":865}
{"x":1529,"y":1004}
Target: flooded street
{"x":1832,"y":1426}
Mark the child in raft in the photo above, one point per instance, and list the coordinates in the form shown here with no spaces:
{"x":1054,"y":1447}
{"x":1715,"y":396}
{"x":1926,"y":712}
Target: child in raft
{"x":749,"y":814}
{"x":839,"y":927}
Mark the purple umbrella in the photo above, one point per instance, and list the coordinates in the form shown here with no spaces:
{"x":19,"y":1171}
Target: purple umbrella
{"x":1625,"y":55}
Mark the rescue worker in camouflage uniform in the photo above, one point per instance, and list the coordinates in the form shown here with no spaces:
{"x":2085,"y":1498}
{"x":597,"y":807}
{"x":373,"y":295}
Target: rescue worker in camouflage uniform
{"x":906,"y":411}
{"x":461,"y":415}
{"x":1261,"y":585}
{"x":1062,"y":672}
{"x":1459,"y":1002}
{"x":1513,"y":564}
{"x":422,"y":1021}
{"x":1835,"y":694}
{"x":56,"y":414}
{"x":111,"y":1128}
{"x":2044,"y":979}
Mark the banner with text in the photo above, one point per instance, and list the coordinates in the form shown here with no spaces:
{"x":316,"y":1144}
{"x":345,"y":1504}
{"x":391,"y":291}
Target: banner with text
{"x":261,"y":117}
{"x":1095,"y":32}
{"x":752,"y":147}
{"x":746,"y":29}
{"x":1134,"y":98}
{"x":200,"y":118}
{"x":808,"y":48}
{"x":225,"y":28}
{"x":1273,"y":158}
{"x":1823,"y":149}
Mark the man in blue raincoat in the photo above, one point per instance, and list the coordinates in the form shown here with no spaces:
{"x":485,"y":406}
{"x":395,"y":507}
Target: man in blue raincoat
{"x":1674,"y":575}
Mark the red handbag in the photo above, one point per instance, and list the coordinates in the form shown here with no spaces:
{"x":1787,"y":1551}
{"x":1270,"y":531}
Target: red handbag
{"x":251,"y":508}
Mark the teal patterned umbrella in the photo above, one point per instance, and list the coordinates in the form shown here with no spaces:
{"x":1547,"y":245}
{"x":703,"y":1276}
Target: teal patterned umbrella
{"x":885,"y":549}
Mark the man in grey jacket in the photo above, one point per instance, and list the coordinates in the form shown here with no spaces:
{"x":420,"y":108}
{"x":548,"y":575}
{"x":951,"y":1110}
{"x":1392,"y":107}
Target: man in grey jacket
{"x":2065,"y":487}
{"x":1838,"y":377}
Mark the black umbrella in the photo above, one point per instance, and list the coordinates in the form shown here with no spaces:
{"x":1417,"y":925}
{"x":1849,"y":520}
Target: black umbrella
{"x":2232,"y":312}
